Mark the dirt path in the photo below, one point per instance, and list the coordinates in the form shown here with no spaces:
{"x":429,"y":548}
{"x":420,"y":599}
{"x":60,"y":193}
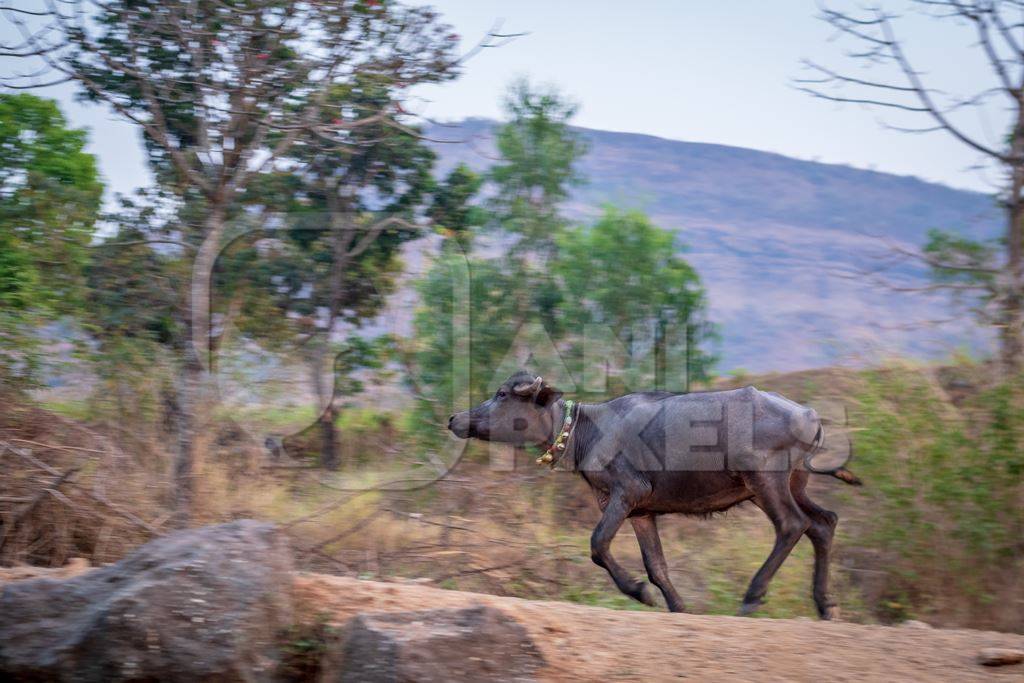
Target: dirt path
{"x":590,"y":643}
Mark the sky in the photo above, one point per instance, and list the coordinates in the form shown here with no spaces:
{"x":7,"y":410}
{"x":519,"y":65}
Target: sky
{"x":719,"y":72}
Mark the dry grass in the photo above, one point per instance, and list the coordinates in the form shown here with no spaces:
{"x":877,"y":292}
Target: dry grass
{"x":68,"y":491}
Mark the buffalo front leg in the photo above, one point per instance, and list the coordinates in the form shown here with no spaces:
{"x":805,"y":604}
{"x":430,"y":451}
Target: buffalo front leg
{"x":614,"y":514}
{"x":646,"y":529}
{"x":772,"y":494}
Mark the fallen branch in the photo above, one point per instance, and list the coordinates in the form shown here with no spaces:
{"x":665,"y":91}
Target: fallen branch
{"x":39,"y":497}
{"x":57,"y":447}
{"x":131,"y":517}
{"x":479,"y":570}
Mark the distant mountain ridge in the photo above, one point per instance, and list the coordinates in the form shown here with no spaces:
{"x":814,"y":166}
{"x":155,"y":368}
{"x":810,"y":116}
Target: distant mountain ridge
{"x":779,"y":241}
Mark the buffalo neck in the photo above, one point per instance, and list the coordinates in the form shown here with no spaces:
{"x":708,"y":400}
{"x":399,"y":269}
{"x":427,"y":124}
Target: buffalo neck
{"x":580,"y":417}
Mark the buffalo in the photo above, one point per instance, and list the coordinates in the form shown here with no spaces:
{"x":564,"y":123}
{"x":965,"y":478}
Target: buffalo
{"x":653,"y":453}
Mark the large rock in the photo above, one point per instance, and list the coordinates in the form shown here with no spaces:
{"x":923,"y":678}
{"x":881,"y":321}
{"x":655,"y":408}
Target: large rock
{"x":474,"y":644}
{"x":204,"y":604}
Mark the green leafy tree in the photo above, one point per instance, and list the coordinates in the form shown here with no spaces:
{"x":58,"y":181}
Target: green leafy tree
{"x":222,"y":92}
{"x":622,"y":274}
{"x":625,"y":275}
{"x":538,"y":152}
{"x":441,"y":330}
{"x":537,"y":168}
{"x":351,"y":203}
{"x":452,"y":211}
{"x":50,"y":195}
{"x":348,"y":209}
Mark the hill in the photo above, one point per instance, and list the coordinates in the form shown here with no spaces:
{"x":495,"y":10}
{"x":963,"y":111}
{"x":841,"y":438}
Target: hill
{"x":780,"y":242}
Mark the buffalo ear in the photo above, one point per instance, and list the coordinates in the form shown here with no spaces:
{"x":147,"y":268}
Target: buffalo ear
{"x":547,"y":395}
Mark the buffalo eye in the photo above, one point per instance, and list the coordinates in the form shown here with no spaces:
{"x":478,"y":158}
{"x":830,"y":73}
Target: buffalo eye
{"x":502,"y":393}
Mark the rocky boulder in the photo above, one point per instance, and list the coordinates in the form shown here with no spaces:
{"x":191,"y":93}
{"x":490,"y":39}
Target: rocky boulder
{"x":203,"y":604}
{"x":474,"y":644}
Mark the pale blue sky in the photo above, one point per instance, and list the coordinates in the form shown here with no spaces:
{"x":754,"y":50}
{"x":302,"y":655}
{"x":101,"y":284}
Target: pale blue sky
{"x":685,"y":69}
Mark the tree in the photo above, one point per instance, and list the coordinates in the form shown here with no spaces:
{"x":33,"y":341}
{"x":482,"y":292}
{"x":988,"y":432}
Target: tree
{"x":223,"y":91}
{"x":348,"y":213}
{"x":451,"y":210}
{"x":627,"y":274}
{"x":50,"y":195}
{"x":537,"y":168}
{"x":133,"y":314}
{"x":490,"y":323}
{"x":538,"y":152}
{"x":890,"y":81}
{"x":623,"y":273}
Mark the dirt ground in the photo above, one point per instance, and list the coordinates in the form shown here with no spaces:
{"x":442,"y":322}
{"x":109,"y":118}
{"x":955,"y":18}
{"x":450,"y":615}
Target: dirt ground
{"x":594,"y":643}
{"x":591,"y":643}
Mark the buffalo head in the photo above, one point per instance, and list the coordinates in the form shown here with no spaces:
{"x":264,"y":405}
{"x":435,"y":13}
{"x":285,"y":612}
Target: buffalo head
{"x":519,"y":413}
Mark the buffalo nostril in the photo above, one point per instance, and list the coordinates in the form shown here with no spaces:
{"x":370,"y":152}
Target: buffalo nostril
{"x":519,"y":424}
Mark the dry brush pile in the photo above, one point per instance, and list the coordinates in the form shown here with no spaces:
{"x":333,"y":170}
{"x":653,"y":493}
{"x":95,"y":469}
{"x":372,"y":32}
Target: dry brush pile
{"x":68,"y":491}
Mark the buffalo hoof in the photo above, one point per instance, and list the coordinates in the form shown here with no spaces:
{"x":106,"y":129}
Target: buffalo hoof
{"x":647,"y":594}
{"x":830,"y":613}
{"x":748,"y":608}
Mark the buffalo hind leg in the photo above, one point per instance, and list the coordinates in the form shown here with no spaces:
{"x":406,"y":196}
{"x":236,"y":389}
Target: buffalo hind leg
{"x":772,"y":494}
{"x":614,"y":514}
{"x":646,"y":529}
{"x":821,"y":531}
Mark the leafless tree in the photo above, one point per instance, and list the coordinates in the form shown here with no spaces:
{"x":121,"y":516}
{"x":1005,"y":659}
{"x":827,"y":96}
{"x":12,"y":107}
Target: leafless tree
{"x":222,"y":90}
{"x":889,"y":80}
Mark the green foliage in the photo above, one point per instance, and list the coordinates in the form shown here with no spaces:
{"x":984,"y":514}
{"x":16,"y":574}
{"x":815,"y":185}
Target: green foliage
{"x":623,"y":274}
{"x":277,"y":65}
{"x":445,"y":320}
{"x":968,"y":267}
{"x":944,"y":486}
{"x":235,"y":91}
{"x":331,"y":254}
{"x":643,"y":286}
{"x":304,"y":647}
{"x":132,"y":291}
{"x":461,"y":340}
{"x":452,"y":211}
{"x":49,"y":200}
{"x":538,"y":155}
{"x":332,"y":264}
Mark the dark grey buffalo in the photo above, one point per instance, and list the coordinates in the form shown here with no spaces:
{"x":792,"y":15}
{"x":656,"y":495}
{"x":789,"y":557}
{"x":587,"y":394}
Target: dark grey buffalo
{"x":653,"y":453}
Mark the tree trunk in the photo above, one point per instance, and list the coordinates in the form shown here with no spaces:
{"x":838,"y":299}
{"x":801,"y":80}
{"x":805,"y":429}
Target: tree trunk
{"x":190,"y":381}
{"x":195,"y":367}
{"x":317,"y":359}
{"x":1011,"y":331}
{"x":330,"y":457}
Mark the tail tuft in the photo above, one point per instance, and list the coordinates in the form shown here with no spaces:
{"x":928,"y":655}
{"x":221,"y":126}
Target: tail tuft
{"x":840,"y":473}
{"x":847,"y":476}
